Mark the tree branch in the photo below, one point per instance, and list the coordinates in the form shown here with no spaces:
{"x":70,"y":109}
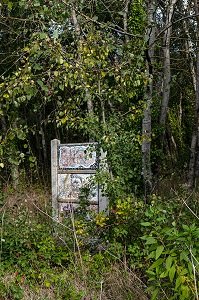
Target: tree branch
{"x":170,"y":25}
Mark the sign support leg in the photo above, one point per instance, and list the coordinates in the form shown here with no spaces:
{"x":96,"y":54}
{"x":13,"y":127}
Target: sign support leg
{"x":54,"y":178}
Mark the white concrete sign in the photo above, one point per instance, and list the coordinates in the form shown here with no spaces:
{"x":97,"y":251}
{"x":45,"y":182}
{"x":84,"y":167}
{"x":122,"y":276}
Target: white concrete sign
{"x":73,"y":168}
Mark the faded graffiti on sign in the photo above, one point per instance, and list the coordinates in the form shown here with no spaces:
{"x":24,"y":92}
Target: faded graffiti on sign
{"x":71,"y":207}
{"x":77,"y":157}
{"x":70,"y":186}
{"x":68,"y":207}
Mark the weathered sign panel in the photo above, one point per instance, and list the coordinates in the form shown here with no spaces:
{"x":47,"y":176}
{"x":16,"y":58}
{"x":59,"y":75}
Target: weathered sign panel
{"x":77,"y":157}
{"x":70,"y":185}
{"x":73,"y":167}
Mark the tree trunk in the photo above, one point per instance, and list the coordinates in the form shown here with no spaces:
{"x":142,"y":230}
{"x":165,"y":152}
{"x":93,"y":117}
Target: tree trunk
{"x":87,"y":93}
{"x":146,"y":122}
{"x":125,"y":20}
{"x":194,"y":157}
{"x":166,"y":67}
{"x":189,"y":53}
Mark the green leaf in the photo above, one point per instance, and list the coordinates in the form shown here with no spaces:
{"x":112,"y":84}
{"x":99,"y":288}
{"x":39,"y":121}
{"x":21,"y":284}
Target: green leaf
{"x":47,"y":284}
{"x":150,"y":240}
{"x":13,"y":161}
{"x":145,"y":224}
{"x":152,"y":254}
{"x":61,"y":87}
{"x":40,"y":83}
{"x":178,"y":282}
{"x":184,"y":256}
{"x":169,"y":261}
{"x":32,"y":159}
{"x":183,"y":272}
{"x":172,"y":273}
{"x":159,"y":251}
{"x":60,"y":60}
{"x":164,"y":274}
{"x":28,"y":97}
{"x":185,"y":227}
{"x":22,"y":155}
{"x":21,"y":135}
{"x":37,"y":3}
{"x":185,"y":292}
{"x":10,"y":5}
{"x":43,"y":35}
{"x":150,"y":272}
{"x":156,"y":263}
{"x":154,"y":294}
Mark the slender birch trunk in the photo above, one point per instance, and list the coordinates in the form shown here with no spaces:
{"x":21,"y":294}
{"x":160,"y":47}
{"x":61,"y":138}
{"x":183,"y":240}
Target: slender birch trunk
{"x":78,"y":33}
{"x":167,"y":67}
{"x":146,"y":122}
{"x":189,"y":54}
{"x":194,"y":157}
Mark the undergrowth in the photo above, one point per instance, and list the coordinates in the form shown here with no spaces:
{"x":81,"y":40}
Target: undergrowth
{"x":139,"y":251}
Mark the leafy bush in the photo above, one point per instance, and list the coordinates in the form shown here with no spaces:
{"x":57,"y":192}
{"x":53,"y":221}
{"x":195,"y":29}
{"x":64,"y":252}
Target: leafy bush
{"x":163,"y":247}
{"x":171,"y":250}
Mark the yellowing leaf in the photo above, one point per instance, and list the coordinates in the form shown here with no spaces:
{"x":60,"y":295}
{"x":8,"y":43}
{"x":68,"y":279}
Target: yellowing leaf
{"x":61,"y":61}
{"x":26,"y":49}
{"x":47,"y":284}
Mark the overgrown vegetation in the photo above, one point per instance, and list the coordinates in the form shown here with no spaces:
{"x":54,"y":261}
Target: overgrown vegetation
{"x":126,"y":75}
{"x":138,"y":251}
